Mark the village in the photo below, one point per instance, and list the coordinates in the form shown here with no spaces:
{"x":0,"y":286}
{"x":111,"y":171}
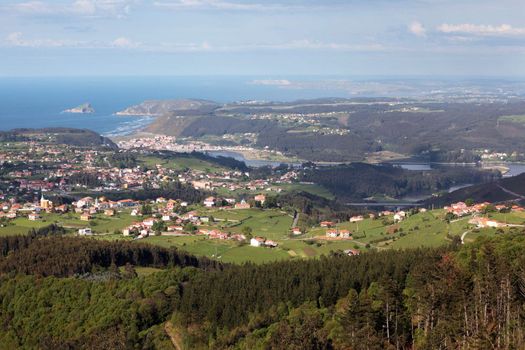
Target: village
{"x":92,"y":192}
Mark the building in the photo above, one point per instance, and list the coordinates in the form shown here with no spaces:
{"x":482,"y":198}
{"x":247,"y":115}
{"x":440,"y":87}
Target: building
{"x":45,"y":204}
{"x":85,"y":232}
{"x":257,"y":241}
{"x":352,"y":252}
{"x":109,"y":212}
{"x":296,"y":231}
{"x":260,"y":198}
{"x":332,"y":233}
{"x":327,"y":224}
{"x":242,"y":205}
{"x":86,"y":217}
{"x":345,"y":234}
{"x":209,"y":202}
{"x":481,"y":222}
{"x":34,"y":217}
{"x":356,"y":218}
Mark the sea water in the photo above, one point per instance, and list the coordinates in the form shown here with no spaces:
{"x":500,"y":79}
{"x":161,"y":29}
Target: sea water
{"x":38,"y":102}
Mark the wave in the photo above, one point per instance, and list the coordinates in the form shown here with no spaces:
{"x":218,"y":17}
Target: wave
{"x":129,"y":127}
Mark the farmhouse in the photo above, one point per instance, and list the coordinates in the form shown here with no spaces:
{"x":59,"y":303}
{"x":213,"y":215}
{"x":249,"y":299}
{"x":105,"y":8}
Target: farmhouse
{"x":257,"y":241}
{"x":34,"y":217}
{"x":242,"y":205}
{"x":481,"y":222}
{"x":209,"y":202}
{"x":85,"y":217}
{"x":345,"y":234}
{"x":356,"y":218}
{"x":327,"y":224}
{"x":332,"y":233}
{"x":261,"y":198}
{"x":296,"y":231}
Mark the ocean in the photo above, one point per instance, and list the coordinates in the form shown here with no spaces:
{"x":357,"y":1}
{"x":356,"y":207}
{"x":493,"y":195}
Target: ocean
{"x":38,"y":102}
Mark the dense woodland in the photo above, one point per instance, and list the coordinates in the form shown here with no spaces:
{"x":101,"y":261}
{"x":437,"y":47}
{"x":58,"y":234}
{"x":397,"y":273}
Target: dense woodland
{"x":175,"y":189}
{"x":496,"y":191}
{"x":359,"y":180}
{"x":442,"y":298}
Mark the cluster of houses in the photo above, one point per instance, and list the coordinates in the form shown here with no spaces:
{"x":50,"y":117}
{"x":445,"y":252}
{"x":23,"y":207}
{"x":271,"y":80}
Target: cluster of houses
{"x":217,"y":234}
{"x":336,"y":233}
{"x":482,"y":222}
{"x":231,"y":203}
{"x":12,"y":210}
{"x":460,"y":209}
{"x":262,"y":242}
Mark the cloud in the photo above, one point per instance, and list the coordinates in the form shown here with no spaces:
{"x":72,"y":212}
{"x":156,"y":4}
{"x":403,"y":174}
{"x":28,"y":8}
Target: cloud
{"x":503,"y":30}
{"x":82,"y":8}
{"x":271,"y":82}
{"x":17,"y":39}
{"x":220,"y":5}
{"x":417,"y":29}
{"x":125,"y":43}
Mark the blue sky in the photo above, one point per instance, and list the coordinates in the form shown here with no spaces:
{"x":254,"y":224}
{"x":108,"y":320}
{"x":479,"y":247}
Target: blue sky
{"x":263,"y":37}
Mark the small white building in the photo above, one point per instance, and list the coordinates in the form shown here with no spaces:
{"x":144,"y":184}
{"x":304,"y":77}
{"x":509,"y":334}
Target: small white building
{"x":257,"y":241}
{"x":85,"y":232}
{"x":209,"y":202}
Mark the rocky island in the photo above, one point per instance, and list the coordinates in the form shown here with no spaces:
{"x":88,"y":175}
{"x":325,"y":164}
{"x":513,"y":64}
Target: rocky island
{"x":85,"y":108}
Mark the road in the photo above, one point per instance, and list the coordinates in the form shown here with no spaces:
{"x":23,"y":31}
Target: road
{"x":511,"y":193}
{"x":463,"y":236}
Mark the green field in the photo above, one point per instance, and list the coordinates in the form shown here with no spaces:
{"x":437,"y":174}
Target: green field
{"x":180,"y":163}
{"x":272,"y":224}
{"x":513,"y":118}
{"x":418,"y":230}
{"x":309,"y":188}
{"x":99,"y":224}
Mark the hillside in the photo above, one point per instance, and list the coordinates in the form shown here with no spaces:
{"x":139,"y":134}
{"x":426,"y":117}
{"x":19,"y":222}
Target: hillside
{"x":349,"y":129}
{"x":359,"y":180}
{"x":67,"y":136}
{"x":116,"y":295}
{"x":498,"y":191}
{"x":178,"y":106}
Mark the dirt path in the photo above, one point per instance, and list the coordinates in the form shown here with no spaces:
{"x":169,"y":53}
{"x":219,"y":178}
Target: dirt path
{"x":175,"y":337}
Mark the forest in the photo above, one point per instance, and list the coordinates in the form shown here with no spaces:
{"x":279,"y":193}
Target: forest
{"x":470,"y":296}
{"x":359,"y":180}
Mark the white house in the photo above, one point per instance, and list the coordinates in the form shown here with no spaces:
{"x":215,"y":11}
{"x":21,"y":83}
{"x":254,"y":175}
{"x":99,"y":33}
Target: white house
{"x":209,"y":202}
{"x":257,"y":241}
{"x":85,"y":231}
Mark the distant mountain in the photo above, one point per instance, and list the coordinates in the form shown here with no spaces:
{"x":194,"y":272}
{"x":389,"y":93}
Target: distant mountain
{"x":85,"y":108}
{"x":506,"y":189}
{"x":162,"y":107}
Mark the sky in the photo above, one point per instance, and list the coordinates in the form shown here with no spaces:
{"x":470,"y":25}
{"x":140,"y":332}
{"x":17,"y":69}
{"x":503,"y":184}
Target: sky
{"x":482,"y":38}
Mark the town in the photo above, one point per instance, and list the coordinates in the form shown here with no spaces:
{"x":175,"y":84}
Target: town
{"x":194,"y":202}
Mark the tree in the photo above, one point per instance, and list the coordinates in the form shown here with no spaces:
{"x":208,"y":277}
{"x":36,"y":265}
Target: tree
{"x":159,"y":226}
{"x":190,"y":227}
{"x":247,"y":231}
{"x":146,"y":209}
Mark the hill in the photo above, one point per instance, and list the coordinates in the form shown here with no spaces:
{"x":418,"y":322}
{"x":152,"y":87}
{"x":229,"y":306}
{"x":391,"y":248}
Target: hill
{"x":178,"y":106}
{"x":350,"y":129}
{"x":360,"y":180}
{"x":506,"y":189}
{"x":66,"y":136}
